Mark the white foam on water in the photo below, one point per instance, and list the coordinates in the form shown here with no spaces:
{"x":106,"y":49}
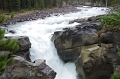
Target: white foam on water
{"x":40,"y":33}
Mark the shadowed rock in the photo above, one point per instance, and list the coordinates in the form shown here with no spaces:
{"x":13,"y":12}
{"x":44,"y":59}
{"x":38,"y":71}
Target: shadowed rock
{"x":69,"y":41}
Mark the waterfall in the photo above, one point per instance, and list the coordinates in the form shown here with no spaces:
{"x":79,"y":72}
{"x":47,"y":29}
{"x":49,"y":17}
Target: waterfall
{"x":40,"y":33}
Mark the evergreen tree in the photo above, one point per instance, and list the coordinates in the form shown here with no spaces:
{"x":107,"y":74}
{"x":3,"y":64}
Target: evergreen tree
{"x":16,"y":5}
{"x":42,"y":4}
{"x":61,"y":2}
{"x":23,"y":5}
{"x":10,"y":45}
{"x":28,"y":4}
{"x":8,"y":5}
{"x":7,"y":44}
{"x":54,"y":3}
{"x":4,"y":61}
{"x":48,"y":3}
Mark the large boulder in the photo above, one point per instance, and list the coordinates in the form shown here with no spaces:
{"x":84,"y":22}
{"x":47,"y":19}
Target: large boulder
{"x":24,"y":46}
{"x":23,"y":42}
{"x":68,"y":42}
{"x":22,"y":69}
{"x":112,"y":54}
{"x":94,"y":63}
{"x":110,"y":37}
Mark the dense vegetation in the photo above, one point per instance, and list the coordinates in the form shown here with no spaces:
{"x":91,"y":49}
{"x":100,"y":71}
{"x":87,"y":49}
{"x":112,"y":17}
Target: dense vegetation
{"x":16,"y":5}
{"x":9,"y":45}
{"x":109,"y":2}
{"x":111,"y":22}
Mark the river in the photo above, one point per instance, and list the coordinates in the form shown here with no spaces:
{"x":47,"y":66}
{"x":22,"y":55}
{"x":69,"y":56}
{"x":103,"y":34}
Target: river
{"x":40,"y":32}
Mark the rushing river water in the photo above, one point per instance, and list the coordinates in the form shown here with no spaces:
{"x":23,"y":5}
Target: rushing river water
{"x":40,"y":33}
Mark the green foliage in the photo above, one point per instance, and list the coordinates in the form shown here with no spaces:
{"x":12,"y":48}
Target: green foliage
{"x":10,"y":45}
{"x":114,"y":76}
{"x":2,"y":32}
{"x":113,"y":2}
{"x":112,"y":21}
{"x":12,"y":15}
{"x":28,"y":3}
{"x":16,"y":5}
{"x":2,"y":18}
{"x":42,"y":4}
{"x":4,"y":61}
{"x":48,"y":3}
{"x":118,"y":51}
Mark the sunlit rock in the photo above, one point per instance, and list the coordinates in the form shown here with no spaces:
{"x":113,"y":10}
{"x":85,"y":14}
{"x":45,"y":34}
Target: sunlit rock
{"x":94,"y":62}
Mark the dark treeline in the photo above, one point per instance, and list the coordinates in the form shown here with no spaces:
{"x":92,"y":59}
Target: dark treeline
{"x":16,"y":5}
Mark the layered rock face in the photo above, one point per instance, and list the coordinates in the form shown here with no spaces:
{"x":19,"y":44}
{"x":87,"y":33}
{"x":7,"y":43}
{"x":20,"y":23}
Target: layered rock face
{"x":96,"y":65}
{"x":69,"y":41}
{"x":93,"y":49}
{"x":22,"y":68}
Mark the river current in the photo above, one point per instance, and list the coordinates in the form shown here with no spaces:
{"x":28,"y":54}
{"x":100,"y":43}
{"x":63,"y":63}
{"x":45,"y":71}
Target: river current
{"x":40,"y":32}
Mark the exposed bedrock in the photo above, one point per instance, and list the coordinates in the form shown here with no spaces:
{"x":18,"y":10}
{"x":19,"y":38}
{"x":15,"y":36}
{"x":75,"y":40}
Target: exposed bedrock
{"x":95,"y":63}
{"x":93,"y":49}
{"x":22,"y":68}
{"x":68,"y":42}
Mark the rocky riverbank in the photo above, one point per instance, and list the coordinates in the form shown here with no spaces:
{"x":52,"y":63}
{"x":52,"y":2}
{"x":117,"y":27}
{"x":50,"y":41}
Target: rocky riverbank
{"x":91,"y":47}
{"x":40,"y":15}
{"x":21,"y":67}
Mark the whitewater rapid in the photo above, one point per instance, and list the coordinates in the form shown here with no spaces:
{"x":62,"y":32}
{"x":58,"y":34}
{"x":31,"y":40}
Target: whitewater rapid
{"x":40,"y":33}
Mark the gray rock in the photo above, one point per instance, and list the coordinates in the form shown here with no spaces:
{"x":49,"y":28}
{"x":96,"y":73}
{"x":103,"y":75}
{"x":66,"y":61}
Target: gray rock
{"x":69,"y":54}
{"x":22,"y":69}
{"x":68,"y":41}
{"x":23,"y":42}
{"x":24,"y":46}
{"x":94,"y":63}
{"x":110,"y":37}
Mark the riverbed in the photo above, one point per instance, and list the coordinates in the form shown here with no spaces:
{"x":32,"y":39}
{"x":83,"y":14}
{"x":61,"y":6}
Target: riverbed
{"x":40,"y":32}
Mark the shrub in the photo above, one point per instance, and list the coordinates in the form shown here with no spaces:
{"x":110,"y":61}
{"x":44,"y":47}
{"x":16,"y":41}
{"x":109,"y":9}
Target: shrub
{"x":2,"y":18}
{"x":118,"y":51}
{"x":112,"y":21}
{"x":114,"y":76}
{"x":12,"y":15}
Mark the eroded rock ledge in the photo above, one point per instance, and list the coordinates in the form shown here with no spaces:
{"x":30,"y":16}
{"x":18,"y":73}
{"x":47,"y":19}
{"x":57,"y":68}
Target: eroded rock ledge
{"x":22,"y":68}
{"x":93,"y":50}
